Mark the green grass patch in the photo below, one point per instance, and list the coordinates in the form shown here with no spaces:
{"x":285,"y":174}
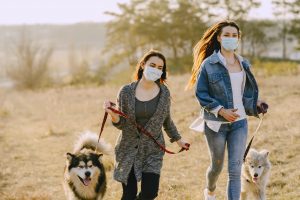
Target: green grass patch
{"x":275,"y":67}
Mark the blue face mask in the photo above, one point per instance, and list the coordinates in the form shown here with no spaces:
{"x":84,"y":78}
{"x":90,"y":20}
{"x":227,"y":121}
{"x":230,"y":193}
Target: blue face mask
{"x":229,"y":43}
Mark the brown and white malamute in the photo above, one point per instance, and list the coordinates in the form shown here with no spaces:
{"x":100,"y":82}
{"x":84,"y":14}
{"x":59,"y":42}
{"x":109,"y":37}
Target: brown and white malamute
{"x":84,"y":175}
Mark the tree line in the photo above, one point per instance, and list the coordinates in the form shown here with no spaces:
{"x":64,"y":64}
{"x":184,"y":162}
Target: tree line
{"x":174,"y":26}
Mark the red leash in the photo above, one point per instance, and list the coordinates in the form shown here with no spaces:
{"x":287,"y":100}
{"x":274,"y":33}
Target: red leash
{"x":144,"y":131}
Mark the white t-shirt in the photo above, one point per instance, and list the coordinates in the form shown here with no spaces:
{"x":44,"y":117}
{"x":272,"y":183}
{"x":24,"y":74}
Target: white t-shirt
{"x":236,"y":80}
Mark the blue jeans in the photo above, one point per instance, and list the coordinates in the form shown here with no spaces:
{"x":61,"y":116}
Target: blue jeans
{"x":235,"y":135}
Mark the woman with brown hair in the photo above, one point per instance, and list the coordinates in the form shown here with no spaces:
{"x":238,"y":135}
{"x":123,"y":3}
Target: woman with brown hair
{"x":147,"y":102}
{"x":227,"y":92}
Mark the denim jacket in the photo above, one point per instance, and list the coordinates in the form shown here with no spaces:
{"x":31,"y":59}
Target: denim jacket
{"x":214,"y":89}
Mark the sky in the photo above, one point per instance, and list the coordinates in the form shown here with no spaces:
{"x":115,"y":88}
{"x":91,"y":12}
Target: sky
{"x":74,"y":11}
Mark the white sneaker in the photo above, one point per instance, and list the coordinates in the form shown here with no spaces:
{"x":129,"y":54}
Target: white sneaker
{"x":207,"y":196}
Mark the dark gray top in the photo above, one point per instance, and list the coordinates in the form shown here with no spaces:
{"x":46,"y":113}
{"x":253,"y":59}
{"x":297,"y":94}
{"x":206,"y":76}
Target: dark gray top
{"x":144,"y":110}
{"x":134,"y":149}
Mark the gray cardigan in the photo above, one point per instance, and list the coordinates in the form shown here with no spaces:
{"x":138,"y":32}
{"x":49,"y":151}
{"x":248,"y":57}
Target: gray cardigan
{"x":134,"y":149}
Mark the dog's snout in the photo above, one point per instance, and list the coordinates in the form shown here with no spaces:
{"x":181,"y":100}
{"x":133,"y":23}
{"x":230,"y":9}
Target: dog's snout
{"x":255,"y":175}
{"x":88,"y":174}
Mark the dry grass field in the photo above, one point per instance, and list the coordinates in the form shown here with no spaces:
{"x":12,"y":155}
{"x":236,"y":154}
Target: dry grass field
{"x":38,"y":128}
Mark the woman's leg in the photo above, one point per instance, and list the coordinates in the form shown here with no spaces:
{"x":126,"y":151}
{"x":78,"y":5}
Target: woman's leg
{"x":149,"y":186}
{"x":130,"y":190}
{"x":216,"y":144}
{"x":236,"y":144}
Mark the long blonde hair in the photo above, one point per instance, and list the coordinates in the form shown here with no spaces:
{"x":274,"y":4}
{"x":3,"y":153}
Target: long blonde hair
{"x":206,"y":46}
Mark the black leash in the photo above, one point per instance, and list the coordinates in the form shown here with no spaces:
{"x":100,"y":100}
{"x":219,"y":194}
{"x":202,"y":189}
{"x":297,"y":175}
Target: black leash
{"x":249,"y":145}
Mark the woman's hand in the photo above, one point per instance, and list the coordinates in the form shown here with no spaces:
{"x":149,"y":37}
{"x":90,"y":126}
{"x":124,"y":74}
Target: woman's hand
{"x":183,"y":144}
{"x":262,"y":107}
{"x":114,"y":117}
{"x":229,"y":114}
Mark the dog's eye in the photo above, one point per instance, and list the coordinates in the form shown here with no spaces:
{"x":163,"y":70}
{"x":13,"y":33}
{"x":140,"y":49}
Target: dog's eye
{"x":259,"y":166}
{"x":81,"y":167}
{"x":252,"y":166}
{"x":90,"y":166}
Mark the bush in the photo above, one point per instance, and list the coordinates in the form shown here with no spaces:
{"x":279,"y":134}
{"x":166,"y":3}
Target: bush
{"x":81,"y":73}
{"x":30,"y":68}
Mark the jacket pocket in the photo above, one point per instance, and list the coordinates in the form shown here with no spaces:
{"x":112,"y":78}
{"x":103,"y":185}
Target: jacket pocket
{"x":217,"y":86}
{"x":214,"y":78}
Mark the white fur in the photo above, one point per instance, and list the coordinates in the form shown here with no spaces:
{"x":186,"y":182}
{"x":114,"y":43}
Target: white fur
{"x":86,"y":191}
{"x":81,"y":172}
{"x":259,"y":164}
{"x":91,"y":139}
{"x":85,"y":140}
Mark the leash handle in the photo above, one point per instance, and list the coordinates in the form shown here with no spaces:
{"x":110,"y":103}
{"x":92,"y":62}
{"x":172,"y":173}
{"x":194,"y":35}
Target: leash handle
{"x":142,"y":129}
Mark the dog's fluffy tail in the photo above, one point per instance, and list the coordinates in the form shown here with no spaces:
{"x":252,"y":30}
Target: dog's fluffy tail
{"x":89,"y":140}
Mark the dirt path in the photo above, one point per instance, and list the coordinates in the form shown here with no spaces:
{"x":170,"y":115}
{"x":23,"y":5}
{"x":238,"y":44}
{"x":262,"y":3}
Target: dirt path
{"x":38,"y":128}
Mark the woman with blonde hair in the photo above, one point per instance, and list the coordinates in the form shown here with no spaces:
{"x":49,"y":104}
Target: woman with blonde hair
{"x":227,"y":92}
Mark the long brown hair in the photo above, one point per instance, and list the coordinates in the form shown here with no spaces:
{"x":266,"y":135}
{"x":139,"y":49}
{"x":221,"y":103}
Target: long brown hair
{"x":206,"y":46}
{"x":137,"y":75}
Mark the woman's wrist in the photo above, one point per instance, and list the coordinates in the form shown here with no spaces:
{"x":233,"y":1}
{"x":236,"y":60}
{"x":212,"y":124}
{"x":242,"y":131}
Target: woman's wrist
{"x":221,"y":112}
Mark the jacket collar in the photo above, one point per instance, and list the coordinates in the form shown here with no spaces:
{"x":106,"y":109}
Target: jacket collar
{"x":215,"y":58}
{"x":246,"y":64}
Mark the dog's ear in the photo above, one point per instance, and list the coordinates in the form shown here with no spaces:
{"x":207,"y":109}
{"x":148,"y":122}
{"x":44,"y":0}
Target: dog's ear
{"x":69,"y":156}
{"x":265,"y":153}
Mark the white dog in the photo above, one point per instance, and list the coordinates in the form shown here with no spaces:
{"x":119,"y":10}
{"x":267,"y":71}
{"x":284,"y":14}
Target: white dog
{"x":255,"y":175}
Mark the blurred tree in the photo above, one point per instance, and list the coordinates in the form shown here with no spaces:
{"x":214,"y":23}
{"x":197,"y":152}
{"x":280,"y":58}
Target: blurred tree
{"x":238,"y":10}
{"x":153,"y":26}
{"x":283,"y":10}
{"x":295,"y":28}
{"x":122,"y":40}
{"x":173,"y":26}
{"x":187,"y":24}
{"x":258,"y":36}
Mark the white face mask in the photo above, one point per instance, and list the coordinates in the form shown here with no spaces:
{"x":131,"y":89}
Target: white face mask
{"x":230,"y":44}
{"x":151,"y":73}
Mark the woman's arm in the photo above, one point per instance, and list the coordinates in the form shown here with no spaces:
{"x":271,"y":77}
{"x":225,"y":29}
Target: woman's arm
{"x":117,"y":121}
{"x":202,"y":94}
{"x":169,"y":125}
{"x":172,"y":131}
